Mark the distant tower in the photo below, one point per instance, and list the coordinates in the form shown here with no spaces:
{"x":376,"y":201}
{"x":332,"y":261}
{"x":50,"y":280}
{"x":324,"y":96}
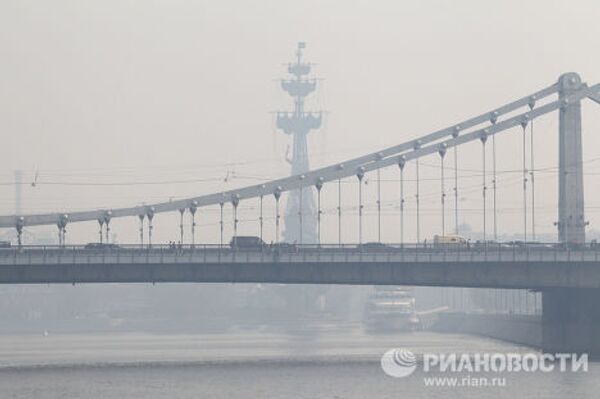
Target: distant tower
{"x":300,"y":221}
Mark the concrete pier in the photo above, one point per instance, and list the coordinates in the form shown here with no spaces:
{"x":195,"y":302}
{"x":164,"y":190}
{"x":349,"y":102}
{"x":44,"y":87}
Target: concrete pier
{"x":518,"y":329}
{"x":571,"y":321}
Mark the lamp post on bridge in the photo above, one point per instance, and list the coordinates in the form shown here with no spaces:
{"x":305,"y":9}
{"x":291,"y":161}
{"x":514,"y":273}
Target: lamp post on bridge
{"x":417,"y":145}
{"x":221,"y":205}
{"x":107,"y":218}
{"x":455,"y":133}
{"x":235,"y":201}
{"x":379,"y":157}
{"x":181,"y":213}
{"x":193,"y":209}
{"x":101,"y":231}
{"x":142,"y":216}
{"x":531,"y":105}
{"x":150,"y":215}
{"x":300,"y":220}
{"x":401,"y":164}
{"x":339,"y":207}
{"x":19,"y":226}
{"x":260,"y":218}
{"x":62,"y":229}
{"x":442,"y":153}
{"x":524,"y":123}
{"x":483,"y":139}
{"x":277,"y":195}
{"x":319,"y":186}
{"x":360,"y":174}
{"x":493,"y":120}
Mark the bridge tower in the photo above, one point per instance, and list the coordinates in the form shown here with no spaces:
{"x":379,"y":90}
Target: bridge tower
{"x":300,"y":215}
{"x":571,"y":317}
{"x":571,"y":221}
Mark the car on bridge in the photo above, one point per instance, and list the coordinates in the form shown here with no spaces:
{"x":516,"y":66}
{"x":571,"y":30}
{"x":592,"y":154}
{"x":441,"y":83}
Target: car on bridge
{"x":246,"y":242}
{"x":529,"y":244}
{"x":373,"y":246}
{"x":100,"y":246}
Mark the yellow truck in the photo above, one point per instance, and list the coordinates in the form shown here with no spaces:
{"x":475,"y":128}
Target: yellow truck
{"x":449,"y":241}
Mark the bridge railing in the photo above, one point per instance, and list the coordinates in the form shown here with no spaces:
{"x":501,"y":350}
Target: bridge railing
{"x":291,"y":253}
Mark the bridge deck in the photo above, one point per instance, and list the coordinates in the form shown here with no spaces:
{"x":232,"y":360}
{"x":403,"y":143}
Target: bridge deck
{"x":498,"y":267}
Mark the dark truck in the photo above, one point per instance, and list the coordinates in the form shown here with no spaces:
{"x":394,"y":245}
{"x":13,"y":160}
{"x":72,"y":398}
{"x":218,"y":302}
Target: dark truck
{"x":246,"y":242}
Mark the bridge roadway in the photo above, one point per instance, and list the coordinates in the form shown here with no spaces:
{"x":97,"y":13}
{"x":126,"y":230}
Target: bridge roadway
{"x":539,"y":266}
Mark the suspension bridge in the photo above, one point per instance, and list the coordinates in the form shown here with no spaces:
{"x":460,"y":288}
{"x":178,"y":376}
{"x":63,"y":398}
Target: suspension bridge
{"x":567,"y":272}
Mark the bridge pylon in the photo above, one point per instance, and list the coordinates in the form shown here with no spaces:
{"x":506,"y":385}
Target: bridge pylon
{"x":571,"y":221}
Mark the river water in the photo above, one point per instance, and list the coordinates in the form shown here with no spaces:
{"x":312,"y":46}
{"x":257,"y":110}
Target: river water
{"x":327,"y":364}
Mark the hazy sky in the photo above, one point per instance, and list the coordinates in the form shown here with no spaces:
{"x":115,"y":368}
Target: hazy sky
{"x":171,"y":91}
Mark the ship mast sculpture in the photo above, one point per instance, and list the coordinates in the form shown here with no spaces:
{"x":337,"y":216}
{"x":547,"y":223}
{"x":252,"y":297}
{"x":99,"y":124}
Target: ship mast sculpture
{"x":300,"y":215}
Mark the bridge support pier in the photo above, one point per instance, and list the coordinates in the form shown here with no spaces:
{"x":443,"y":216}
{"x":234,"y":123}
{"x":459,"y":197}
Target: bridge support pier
{"x":571,"y":321}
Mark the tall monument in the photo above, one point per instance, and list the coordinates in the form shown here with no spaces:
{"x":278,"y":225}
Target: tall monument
{"x":300,"y":215}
